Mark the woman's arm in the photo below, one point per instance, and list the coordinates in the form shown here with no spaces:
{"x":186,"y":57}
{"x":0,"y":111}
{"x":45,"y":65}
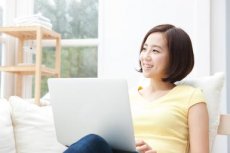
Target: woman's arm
{"x":198,"y":128}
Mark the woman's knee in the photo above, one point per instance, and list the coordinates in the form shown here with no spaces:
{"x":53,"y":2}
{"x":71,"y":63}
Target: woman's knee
{"x":94,"y":138}
{"x":91,"y":143}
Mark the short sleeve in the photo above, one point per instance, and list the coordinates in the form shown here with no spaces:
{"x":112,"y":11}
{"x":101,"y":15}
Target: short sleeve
{"x":196,"y":97}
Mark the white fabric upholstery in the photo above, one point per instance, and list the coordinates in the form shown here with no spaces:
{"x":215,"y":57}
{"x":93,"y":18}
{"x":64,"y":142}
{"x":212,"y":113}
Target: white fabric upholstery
{"x":7,"y":142}
{"x":212,"y":87}
{"x":34,"y":128}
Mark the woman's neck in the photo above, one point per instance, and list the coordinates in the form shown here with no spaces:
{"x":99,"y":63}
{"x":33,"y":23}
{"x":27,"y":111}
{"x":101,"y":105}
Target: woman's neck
{"x":159,"y":85}
{"x":156,"y":89}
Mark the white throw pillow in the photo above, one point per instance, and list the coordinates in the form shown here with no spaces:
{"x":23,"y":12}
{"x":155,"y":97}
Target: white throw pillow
{"x":7,"y":142}
{"x":34,"y":128}
{"x":212,"y":87}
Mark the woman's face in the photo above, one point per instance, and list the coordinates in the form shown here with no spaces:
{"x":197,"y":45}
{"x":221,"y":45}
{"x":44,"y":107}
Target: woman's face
{"x":154,"y":56}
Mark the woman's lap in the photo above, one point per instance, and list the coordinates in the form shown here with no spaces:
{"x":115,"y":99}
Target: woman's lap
{"x":92,"y":144}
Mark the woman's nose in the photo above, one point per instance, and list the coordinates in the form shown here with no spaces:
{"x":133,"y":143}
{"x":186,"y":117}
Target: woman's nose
{"x":146,"y":56}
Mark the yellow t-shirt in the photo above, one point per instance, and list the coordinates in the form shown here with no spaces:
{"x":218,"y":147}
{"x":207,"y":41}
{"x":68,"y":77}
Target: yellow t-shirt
{"x":163,"y":123}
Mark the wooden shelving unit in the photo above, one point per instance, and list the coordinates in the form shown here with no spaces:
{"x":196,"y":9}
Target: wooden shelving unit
{"x":37,"y":33}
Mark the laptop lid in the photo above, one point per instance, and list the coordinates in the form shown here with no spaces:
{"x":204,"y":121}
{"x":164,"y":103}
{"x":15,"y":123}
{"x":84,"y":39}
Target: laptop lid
{"x":84,"y":106}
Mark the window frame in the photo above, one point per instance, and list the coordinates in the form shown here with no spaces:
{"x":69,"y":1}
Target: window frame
{"x":23,"y":8}
{"x":86,"y":42}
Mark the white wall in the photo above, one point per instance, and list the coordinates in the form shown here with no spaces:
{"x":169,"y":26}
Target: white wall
{"x":218,"y":57}
{"x":124,"y":24}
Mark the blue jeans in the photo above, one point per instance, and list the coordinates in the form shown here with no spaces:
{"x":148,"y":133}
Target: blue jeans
{"x":92,"y":144}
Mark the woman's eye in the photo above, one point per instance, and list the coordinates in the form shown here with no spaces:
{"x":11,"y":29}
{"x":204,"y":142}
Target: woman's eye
{"x":143,"y":49}
{"x":155,"y":51}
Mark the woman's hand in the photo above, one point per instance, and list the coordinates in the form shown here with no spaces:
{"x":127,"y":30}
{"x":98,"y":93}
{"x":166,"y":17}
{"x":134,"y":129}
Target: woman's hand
{"x":143,"y":147}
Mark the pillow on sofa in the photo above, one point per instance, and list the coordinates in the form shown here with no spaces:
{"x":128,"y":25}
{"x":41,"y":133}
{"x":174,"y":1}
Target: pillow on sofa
{"x":212,"y":87}
{"x":34,"y":128}
{"x":7,"y":143}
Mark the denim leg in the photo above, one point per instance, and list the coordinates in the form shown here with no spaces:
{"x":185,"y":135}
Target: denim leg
{"x":90,"y":144}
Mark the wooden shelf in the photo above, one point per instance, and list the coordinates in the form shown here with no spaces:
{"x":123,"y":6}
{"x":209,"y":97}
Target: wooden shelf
{"x":37,"y":34}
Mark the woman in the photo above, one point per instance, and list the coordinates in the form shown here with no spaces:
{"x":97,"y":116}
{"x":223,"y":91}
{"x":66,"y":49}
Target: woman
{"x":168,"y":118}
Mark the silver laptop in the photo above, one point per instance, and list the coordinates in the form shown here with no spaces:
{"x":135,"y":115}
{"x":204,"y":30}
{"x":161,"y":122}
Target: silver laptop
{"x":84,"y":106}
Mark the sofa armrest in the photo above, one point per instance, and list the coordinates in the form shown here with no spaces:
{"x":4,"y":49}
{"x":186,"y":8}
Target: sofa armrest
{"x":224,"y":125}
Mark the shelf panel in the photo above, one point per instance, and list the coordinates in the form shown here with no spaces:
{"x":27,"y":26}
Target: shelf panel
{"x":28,"y":70}
{"x":48,"y":71}
{"x":29,"y":32}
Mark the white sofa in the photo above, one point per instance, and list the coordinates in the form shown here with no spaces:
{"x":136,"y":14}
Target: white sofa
{"x":28,"y":128}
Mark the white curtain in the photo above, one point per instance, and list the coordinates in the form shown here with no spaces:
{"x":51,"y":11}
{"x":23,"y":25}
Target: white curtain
{"x":14,"y":9}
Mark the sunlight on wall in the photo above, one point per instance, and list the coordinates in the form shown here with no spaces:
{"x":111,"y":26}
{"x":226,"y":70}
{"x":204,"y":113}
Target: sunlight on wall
{"x":119,"y":57}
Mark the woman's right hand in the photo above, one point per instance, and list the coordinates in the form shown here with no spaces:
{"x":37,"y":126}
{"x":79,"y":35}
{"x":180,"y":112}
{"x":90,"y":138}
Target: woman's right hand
{"x":143,"y":147}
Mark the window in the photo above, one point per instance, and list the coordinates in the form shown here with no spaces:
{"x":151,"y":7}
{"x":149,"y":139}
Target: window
{"x":77,"y":22}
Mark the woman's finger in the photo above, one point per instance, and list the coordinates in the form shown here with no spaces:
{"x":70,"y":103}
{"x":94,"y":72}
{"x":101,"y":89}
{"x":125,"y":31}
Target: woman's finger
{"x":143,"y":148}
{"x":139,"y":142}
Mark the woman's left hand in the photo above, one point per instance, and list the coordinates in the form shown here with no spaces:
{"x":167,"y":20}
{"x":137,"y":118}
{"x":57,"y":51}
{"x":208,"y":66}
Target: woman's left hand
{"x":143,"y":147}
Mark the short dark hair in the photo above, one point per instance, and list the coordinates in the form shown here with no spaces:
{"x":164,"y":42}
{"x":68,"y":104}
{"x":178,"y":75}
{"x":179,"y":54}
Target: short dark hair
{"x":181,"y":57}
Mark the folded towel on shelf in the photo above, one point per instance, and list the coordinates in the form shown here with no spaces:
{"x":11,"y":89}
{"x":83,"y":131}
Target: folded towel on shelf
{"x":35,"y":23}
{"x":33,"y":20}
{"x":38,"y":16}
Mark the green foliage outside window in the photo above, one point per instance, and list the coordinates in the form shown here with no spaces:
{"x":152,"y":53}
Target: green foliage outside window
{"x":73,"y":19}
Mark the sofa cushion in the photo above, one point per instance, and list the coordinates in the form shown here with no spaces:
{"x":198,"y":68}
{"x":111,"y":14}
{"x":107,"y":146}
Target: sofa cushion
{"x":34,"y":128}
{"x":7,"y":143}
{"x":212,"y":87}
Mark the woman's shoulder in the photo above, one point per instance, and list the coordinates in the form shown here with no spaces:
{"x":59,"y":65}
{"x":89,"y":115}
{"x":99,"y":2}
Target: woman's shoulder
{"x":135,"y":90}
{"x":194,"y":94}
{"x":187,"y":88}
{"x":134,"y":94}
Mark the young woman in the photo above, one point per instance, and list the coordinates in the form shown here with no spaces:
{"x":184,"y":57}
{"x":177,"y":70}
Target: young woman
{"x":168,"y":118}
